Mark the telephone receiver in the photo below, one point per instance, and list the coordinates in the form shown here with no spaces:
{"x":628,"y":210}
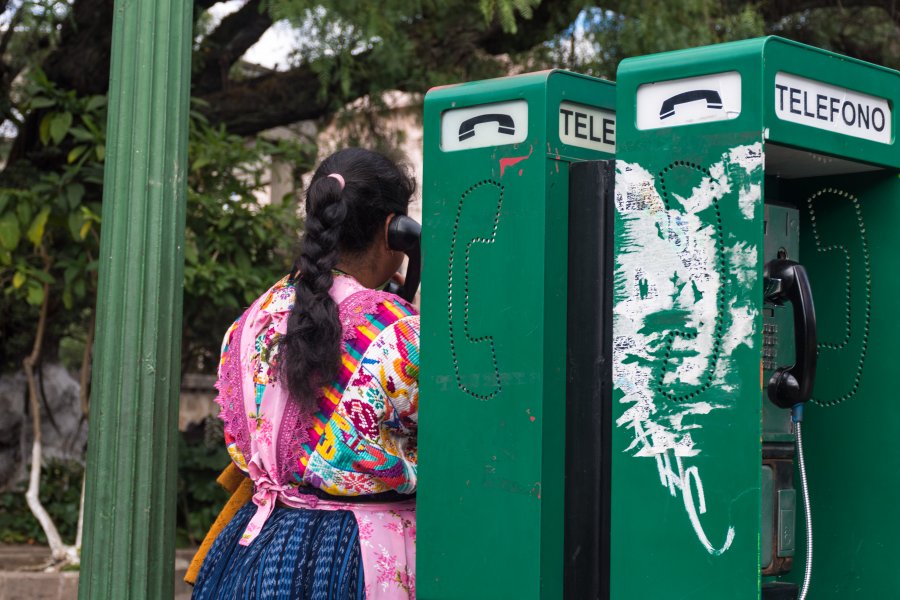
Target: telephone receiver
{"x":405,"y":235}
{"x":712,"y":97}
{"x":787,"y":281}
{"x":505,"y":124}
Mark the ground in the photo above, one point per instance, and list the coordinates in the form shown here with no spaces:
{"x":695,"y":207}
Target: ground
{"x":21,"y":578}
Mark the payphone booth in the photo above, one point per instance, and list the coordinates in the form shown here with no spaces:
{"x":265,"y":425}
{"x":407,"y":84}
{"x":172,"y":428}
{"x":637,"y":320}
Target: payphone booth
{"x":757,"y":206}
{"x":490,"y":505}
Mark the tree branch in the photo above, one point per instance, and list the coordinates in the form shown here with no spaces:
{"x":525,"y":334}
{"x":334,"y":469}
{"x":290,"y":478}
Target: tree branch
{"x":11,"y":28}
{"x":549,"y":18}
{"x":274,"y":99}
{"x":297,"y":94}
{"x":227,"y":44}
{"x":205,"y":4}
{"x":59,"y":551}
{"x":81,"y":62}
{"x":774,"y":10}
{"x":85,"y":378}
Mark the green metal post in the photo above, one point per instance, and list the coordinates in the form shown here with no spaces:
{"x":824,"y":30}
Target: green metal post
{"x":129,"y":511}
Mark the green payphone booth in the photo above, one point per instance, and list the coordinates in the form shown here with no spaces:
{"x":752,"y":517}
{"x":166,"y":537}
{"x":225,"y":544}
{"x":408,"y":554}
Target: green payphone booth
{"x":757,"y":199}
{"x":492,"y":430}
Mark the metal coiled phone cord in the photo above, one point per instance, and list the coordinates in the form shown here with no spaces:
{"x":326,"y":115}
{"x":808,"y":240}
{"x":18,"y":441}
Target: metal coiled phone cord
{"x":807,"y":573}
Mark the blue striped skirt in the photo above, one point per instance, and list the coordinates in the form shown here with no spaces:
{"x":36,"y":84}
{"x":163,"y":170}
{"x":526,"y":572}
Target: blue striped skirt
{"x":300,"y":554}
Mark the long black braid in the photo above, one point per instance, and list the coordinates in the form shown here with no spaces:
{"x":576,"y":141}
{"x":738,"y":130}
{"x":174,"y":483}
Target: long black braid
{"x":338,"y":221}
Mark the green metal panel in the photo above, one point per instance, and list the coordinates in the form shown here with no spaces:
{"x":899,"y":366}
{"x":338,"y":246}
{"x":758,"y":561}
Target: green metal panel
{"x":850,"y":245}
{"x":768,"y":513}
{"x":689,"y":223}
{"x":130,"y":502}
{"x":686,"y":332}
{"x":490,"y":500}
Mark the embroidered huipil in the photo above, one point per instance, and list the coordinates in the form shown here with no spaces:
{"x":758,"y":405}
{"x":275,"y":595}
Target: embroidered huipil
{"x":360,"y":440}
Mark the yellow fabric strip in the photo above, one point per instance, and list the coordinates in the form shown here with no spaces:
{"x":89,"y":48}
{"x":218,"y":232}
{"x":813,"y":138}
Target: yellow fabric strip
{"x":241,"y":488}
{"x":367,"y":332}
{"x":334,"y":398}
{"x":394,"y":309}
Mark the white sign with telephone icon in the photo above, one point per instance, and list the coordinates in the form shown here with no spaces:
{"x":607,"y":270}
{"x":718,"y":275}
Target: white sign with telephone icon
{"x":494,"y":124}
{"x":687,"y":101}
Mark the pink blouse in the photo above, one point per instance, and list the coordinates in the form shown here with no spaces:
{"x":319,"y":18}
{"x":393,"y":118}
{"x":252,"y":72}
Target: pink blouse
{"x":360,"y":440}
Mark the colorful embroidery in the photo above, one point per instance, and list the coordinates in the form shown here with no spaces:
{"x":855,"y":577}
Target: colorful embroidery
{"x":369,"y":432}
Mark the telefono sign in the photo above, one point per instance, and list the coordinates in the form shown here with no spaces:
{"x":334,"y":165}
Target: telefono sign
{"x":824,"y":106}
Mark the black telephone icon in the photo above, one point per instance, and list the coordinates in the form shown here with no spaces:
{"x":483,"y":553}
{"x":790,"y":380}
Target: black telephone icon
{"x":712,"y":97}
{"x":505,"y":124}
{"x":405,"y":235}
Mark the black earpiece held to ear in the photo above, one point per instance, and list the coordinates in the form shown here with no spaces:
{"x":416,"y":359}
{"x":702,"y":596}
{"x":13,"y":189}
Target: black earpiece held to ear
{"x":405,"y":235}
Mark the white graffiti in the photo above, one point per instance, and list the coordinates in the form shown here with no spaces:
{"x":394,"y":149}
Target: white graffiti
{"x":687,"y":481}
{"x":666,"y":269}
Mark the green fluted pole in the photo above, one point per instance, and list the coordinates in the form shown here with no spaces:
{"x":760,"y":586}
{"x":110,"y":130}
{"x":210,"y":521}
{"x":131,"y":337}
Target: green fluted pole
{"x":129,"y":536}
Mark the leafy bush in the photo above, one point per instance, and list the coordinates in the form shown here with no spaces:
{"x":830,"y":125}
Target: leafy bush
{"x":199,"y":500}
{"x":236,"y":243}
{"x":60,"y":495}
{"x":201,"y":457}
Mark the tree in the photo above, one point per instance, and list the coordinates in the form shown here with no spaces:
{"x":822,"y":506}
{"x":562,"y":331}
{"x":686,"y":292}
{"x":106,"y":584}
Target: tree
{"x":607,"y":32}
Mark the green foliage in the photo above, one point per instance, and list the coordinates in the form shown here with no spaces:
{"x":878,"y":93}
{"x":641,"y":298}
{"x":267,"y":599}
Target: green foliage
{"x":72,"y":343}
{"x":200,"y":497}
{"x":236,"y":246}
{"x":505,"y":11}
{"x":60,"y":494}
{"x":639,"y":27}
{"x":49,"y":219}
{"x":866,"y":32}
{"x":335,"y":37}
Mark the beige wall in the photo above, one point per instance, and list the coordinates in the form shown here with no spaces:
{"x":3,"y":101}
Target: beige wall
{"x":401,"y":117}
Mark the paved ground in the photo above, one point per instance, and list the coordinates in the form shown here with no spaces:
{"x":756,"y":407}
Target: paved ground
{"x":21,"y":578}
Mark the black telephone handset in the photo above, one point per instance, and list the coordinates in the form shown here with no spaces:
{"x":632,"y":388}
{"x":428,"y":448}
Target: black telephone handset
{"x":793,"y":385}
{"x":712,"y":97}
{"x":505,"y":124}
{"x":405,"y":235}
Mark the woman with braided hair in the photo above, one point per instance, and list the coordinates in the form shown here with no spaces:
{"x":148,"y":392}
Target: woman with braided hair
{"x":318,"y":385}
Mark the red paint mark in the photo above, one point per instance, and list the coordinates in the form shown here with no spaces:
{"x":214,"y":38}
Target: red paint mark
{"x":532,"y":419}
{"x":512,"y":160}
{"x":443,"y":87}
{"x":520,"y":172}
{"x":557,"y":166}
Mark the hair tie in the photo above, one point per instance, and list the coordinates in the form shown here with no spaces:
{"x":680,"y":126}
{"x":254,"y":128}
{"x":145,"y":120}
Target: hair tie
{"x":339,"y":179}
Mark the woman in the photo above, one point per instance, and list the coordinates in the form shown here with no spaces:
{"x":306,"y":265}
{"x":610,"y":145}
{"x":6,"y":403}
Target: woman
{"x":318,"y":385}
